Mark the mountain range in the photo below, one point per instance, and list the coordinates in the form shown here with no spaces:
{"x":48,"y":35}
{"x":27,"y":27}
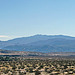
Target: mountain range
{"x":40,"y":43}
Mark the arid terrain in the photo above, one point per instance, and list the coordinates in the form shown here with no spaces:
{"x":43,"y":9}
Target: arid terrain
{"x":36,"y":66}
{"x":33,"y":63}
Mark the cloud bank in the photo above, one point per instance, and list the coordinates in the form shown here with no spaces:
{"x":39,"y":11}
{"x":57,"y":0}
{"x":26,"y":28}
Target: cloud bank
{"x":3,"y":36}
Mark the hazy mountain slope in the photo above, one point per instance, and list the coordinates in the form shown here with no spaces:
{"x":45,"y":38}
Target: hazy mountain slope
{"x":23,"y":40}
{"x":50,"y":45}
{"x":35,"y":38}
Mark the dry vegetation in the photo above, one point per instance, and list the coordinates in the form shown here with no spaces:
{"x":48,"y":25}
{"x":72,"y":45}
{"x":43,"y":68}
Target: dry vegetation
{"x":36,"y":66}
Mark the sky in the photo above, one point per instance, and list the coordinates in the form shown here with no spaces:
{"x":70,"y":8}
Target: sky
{"x":22,"y":18}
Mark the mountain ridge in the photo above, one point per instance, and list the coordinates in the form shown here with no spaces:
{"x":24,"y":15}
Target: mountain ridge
{"x":41,"y":43}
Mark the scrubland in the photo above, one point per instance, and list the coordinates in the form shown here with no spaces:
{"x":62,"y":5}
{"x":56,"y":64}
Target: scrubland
{"x":36,"y":66}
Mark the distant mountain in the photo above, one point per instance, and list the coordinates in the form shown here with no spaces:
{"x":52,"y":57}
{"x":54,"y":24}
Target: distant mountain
{"x":26,"y":40}
{"x":41,"y":43}
{"x":23,"y":40}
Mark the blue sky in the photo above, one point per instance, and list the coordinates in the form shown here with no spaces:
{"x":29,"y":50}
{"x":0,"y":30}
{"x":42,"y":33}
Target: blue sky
{"x":21,"y":18}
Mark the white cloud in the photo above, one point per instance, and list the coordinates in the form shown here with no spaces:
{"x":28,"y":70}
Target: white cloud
{"x":3,"y":36}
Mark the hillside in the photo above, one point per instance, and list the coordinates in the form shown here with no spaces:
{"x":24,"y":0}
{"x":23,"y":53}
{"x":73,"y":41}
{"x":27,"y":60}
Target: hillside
{"x":34,"y":54}
{"x":41,"y":43}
